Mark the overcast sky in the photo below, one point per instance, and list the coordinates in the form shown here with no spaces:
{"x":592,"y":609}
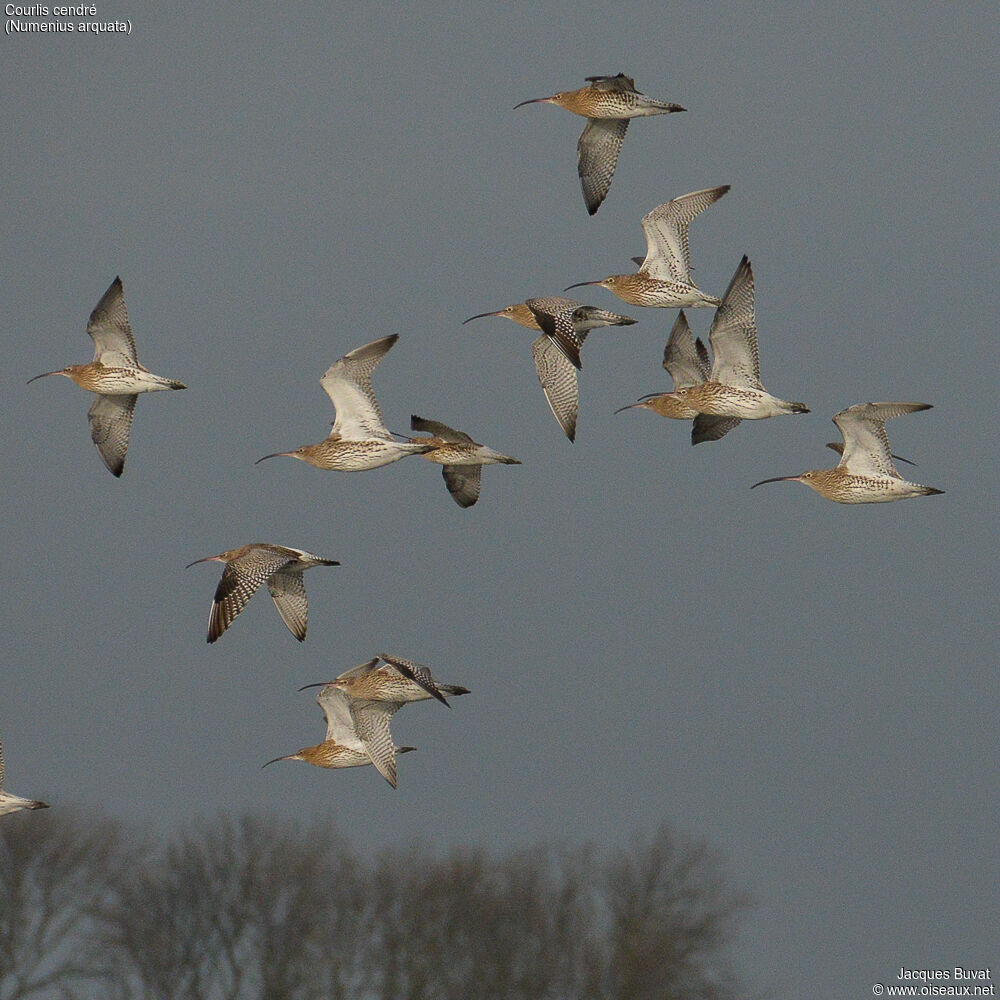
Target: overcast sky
{"x":808,"y":686}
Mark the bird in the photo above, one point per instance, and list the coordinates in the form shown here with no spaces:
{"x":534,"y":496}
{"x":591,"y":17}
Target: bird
{"x":686,"y":359}
{"x":865,"y":473}
{"x":461,"y":457}
{"x":608,"y":103}
{"x":247,"y":567}
{"x":9,"y":802}
{"x":564,"y":325}
{"x":664,"y":276}
{"x":733,"y":390}
{"x":358,"y":438}
{"x":115,"y":376}
{"x":359,"y":705}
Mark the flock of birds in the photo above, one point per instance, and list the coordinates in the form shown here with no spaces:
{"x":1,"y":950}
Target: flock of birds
{"x":716,"y":393}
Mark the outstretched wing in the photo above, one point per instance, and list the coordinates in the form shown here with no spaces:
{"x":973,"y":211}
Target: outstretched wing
{"x":288,"y":589}
{"x":668,"y":257}
{"x":371,"y":719}
{"x":110,"y":423}
{"x":111,"y":331}
{"x":239,"y":582}
{"x":440,"y":430}
{"x":348,"y":383}
{"x":558,"y":378}
{"x":866,"y":446}
{"x":736,"y":360}
{"x":685,"y":358}
{"x":597,"y":152}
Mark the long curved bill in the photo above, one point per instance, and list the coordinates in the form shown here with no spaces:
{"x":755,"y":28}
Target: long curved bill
{"x":35,"y":379}
{"x":206,"y":559}
{"x":580,"y":284}
{"x":289,"y":756}
{"x":318,"y":684}
{"x":276,"y":454}
{"x":777,"y":479}
{"x":630,"y":406}
{"x":534,"y":100}
{"x":496,"y":312}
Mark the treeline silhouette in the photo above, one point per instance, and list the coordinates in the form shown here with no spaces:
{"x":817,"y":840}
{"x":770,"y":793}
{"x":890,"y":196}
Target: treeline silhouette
{"x":233,"y":909}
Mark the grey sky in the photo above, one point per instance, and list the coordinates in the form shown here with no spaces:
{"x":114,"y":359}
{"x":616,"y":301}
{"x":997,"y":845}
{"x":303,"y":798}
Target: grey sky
{"x":810,"y":687}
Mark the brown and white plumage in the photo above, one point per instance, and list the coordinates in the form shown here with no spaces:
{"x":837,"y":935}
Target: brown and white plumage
{"x":247,"y":567}
{"x":733,"y":390}
{"x":461,"y":458}
{"x":564,"y":325}
{"x":664,"y":276}
{"x":115,"y":376}
{"x":358,"y":437}
{"x":865,"y":473}
{"x":608,"y":103}
{"x":9,"y":802}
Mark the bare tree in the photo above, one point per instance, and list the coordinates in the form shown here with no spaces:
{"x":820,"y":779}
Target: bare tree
{"x":56,"y":869}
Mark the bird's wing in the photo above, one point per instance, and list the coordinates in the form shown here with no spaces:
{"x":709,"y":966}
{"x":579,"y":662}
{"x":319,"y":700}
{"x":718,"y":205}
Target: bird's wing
{"x":417,"y":673}
{"x":440,"y":430}
{"x":288,"y":589}
{"x":110,"y":422}
{"x":464,"y":483}
{"x":558,"y":378}
{"x":363,"y":668}
{"x":866,"y":446}
{"x":597,"y":156}
{"x":668,"y":257}
{"x":348,"y":383}
{"x":110,"y":330}
{"x":371,"y":719}
{"x":340,"y":725}
{"x":619,"y":82}
{"x":240,"y":580}
{"x":708,"y":428}
{"x":681,"y":357}
{"x":560,"y":328}
{"x":733,"y":335}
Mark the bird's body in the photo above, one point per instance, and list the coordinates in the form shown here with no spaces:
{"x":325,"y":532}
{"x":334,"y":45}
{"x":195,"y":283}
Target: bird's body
{"x":608,"y":104}
{"x":564,"y":325}
{"x":9,"y":802}
{"x":247,"y":567}
{"x":461,"y":457}
{"x":664,"y":276}
{"x":358,"y":439}
{"x":865,"y":473}
{"x":686,"y":359}
{"x":359,"y":705}
{"x":733,"y":390}
{"x":115,"y":376}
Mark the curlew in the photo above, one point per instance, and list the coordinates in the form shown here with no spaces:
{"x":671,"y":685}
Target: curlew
{"x":865,"y":473}
{"x":608,"y":104}
{"x":664,"y":276}
{"x":564,"y":325}
{"x":247,"y":567}
{"x":114,"y":376}
{"x":359,"y":706}
{"x":461,"y":457}
{"x":358,"y":438}
{"x":9,"y":802}
{"x":733,"y":390}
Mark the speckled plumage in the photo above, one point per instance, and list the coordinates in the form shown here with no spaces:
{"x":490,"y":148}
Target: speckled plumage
{"x":564,"y":325}
{"x":247,"y":567}
{"x":115,"y":376}
{"x":865,"y":473}
{"x":664,"y":276}
{"x":608,"y":103}
{"x":461,"y":457}
{"x":358,"y":439}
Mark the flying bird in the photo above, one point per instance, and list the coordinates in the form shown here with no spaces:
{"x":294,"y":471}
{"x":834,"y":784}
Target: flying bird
{"x":664,"y":276}
{"x":358,"y":438}
{"x":564,"y":325}
{"x":9,"y":802}
{"x":865,"y":473}
{"x":461,"y":458}
{"x":608,"y":104}
{"x":247,"y":567}
{"x":359,"y":705}
{"x":115,"y":376}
